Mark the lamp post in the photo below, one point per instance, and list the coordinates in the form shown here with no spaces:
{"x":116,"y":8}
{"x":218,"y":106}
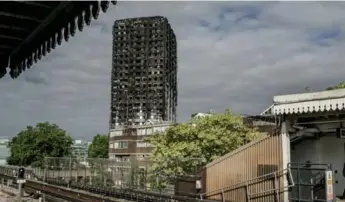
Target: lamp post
{"x":20,"y":181}
{"x":198,"y":186}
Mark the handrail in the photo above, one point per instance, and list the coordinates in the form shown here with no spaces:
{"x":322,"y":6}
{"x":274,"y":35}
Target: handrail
{"x":249,"y":182}
{"x":297,"y":166}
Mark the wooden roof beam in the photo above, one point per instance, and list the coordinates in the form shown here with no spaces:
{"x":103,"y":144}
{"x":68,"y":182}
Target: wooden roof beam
{"x":10,"y":37}
{"x":6,"y":47}
{"x":45,"y":22}
{"x":2,"y":13}
{"x":37,"y":4}
{"x":14,"y":28}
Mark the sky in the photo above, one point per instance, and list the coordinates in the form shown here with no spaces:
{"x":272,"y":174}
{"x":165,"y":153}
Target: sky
{"x":235,"y":55}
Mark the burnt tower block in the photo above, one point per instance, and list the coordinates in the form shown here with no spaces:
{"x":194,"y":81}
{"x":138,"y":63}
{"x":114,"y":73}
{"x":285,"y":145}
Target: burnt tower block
{"x":144,"y":71}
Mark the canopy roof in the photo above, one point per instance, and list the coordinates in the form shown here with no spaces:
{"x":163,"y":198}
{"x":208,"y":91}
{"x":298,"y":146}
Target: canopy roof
{"x":307,"y":103}
{"x":31,"y":29}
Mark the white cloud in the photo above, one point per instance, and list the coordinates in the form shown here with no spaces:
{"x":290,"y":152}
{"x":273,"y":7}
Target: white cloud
{"x":231,"y":54}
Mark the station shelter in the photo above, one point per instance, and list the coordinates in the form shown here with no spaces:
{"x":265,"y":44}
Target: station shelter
{"x":313,"y":135}
{"x":302,"y":159}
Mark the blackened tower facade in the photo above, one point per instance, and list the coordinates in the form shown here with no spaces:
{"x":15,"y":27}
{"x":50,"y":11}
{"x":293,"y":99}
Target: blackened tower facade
{"x":144,"y":71}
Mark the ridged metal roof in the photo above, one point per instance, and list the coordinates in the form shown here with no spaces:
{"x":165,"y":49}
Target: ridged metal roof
{"x":31,"y":29}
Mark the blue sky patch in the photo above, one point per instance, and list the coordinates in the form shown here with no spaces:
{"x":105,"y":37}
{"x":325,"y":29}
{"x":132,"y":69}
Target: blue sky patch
{"x":323,"y":37}
{"x":244,"y":13}
{"x":241,"y":14}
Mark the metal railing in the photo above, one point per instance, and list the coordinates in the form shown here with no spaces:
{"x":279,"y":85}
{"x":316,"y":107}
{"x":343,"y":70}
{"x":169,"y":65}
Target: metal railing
{"x":143,"y":174}
{"x":274,"y":176}
{"x":59,"y":188}
{"x":92,"y":174}
{"x":310,"y":182}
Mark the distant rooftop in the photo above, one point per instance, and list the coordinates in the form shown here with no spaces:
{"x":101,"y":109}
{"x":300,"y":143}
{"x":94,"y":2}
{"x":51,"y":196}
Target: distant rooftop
{"x":4,"y":141}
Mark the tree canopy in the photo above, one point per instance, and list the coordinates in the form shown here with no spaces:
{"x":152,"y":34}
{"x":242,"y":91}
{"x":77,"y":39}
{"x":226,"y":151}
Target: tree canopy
{"x":183,"y":147}
{"x":340,"y":85}
{"x":30,"y":146}
{"x":99,"y":147}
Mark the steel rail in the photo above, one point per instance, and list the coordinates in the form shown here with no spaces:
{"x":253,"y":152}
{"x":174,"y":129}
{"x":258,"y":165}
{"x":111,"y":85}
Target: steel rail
{"x":62,"y":192}
{"x":68,"y":194}
{"x":100,"y":194}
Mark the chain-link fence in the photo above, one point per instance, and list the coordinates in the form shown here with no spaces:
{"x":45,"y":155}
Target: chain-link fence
{"x":143,"y":174}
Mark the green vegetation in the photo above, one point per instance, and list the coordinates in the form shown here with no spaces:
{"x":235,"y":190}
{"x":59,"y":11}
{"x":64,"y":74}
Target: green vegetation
{"x":99,"y":147}
{"x":30,"y":146}
{"x":184,"y":147}
{"x":98,"y":157}
{"x":340,"y":85}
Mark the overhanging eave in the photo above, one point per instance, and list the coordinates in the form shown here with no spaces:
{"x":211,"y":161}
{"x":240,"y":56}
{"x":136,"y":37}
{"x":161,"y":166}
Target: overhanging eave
{"x":30,"y":30}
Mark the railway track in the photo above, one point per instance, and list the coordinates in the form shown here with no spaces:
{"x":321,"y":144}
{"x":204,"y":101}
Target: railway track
{"x":57,"y":191}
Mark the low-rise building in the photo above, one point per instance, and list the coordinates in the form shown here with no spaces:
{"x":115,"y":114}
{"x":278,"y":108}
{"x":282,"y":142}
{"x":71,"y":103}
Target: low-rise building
{"x":129,"y":149}
{"x":80,"y":148}
{"x":4,"y":150}
{"x":125,"y":142}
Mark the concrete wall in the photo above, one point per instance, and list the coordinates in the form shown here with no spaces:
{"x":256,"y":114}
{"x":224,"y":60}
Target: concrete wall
{"x":328,"y":149}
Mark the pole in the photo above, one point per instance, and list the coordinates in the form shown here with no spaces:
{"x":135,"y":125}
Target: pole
{"x":70,"y":168}
{"x":20,"y":192}
{"x":44,"y":173}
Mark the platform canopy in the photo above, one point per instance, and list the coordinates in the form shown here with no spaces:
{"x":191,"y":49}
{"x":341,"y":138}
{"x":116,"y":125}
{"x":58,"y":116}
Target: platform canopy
{"x":306,"y":103}
{"x":31,"y":29}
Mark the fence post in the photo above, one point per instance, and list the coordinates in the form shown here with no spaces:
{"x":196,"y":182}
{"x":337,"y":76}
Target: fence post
{"x":276,"y":187}
{"x":70,"y":168}
{"x":145,"y":177}
{"x":247,"y":192}
{"x":91,"y":170}
{"x":76,"y":170}
{"x":223,"y":198}
{"x":102,"y":171}
{"x":45,"y":169}
{"x":121,"y":182}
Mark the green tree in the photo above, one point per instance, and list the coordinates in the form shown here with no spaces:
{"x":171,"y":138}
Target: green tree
{"x":30,"y":146}
{"x":99,"y":147}
{"x":98,"y":158}
{"x":184,"y":147}
{"x":340,"y":85}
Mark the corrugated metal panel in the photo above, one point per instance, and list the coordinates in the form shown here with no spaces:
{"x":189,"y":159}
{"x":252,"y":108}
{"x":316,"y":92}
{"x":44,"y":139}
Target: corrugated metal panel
{"x":235,"y":172}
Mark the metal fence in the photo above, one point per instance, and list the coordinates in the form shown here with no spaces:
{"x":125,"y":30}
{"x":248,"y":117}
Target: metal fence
{"x":140,"y":174}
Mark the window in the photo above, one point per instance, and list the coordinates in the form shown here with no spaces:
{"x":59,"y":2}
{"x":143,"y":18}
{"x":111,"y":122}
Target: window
{"x":149,"y":131}
{"x":121,"y":169}
{"x":143,"y":144}
{"x":141,"y":132}
{"x":121,"y":145}
{"x":116,"y":133}
{"x":141,"y":157}
{"x":125,"y":159}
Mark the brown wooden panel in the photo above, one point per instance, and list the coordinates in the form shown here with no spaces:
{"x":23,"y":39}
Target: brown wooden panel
{"x":239,"y":172}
